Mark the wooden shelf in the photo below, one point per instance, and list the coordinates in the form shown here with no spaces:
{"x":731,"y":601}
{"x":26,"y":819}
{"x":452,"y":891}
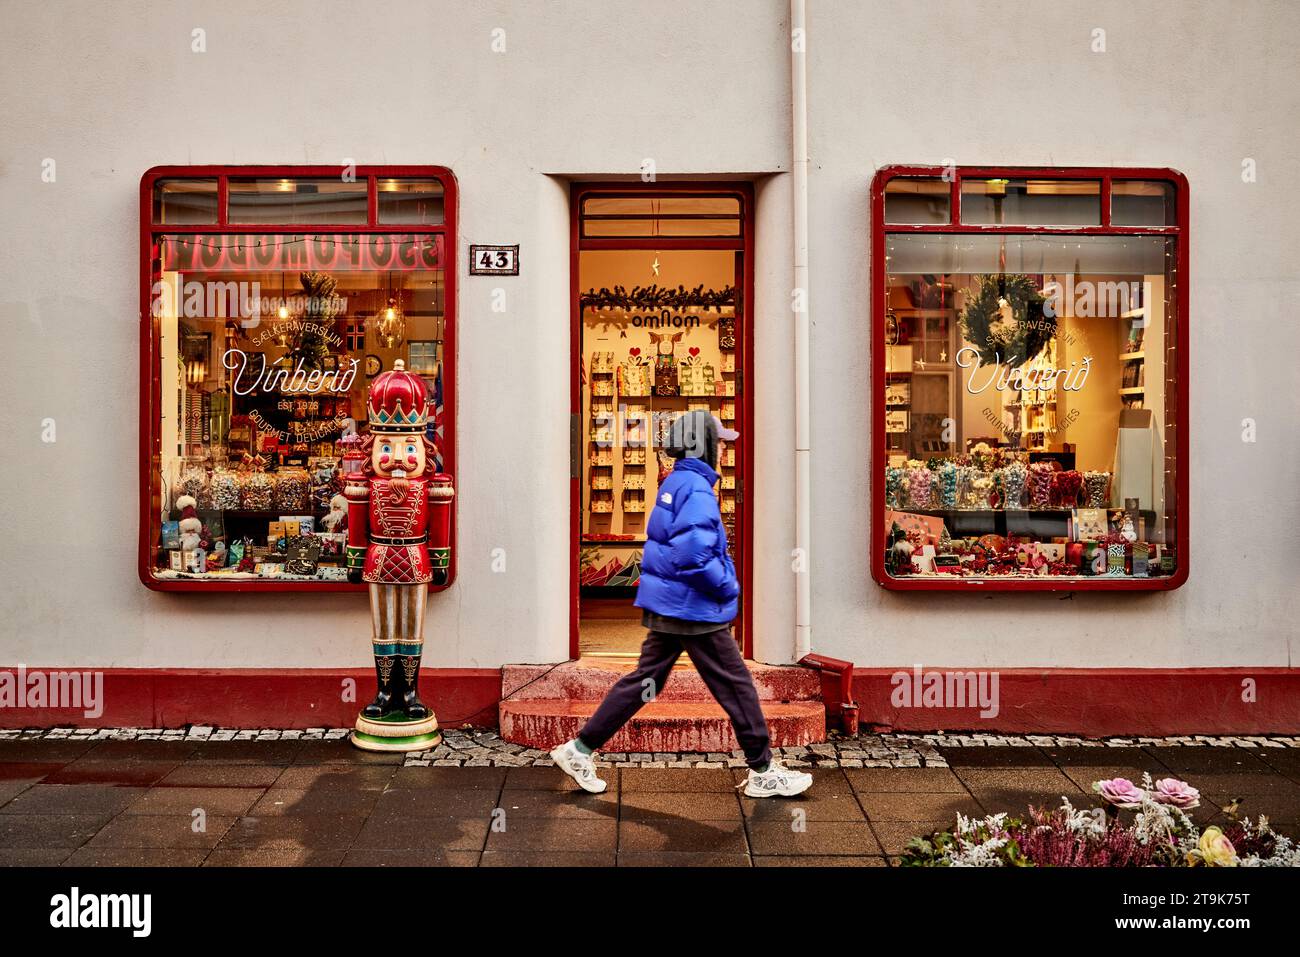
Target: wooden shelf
{"x":1133,"y":390}
{"x":1130,"y":356}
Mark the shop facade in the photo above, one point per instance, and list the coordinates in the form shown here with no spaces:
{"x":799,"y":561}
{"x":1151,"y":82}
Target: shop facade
{"x":196,"y":306}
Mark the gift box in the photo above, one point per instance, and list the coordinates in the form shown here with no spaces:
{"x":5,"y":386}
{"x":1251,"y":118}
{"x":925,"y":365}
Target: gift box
{"x":1115,"y":558}
{"x":1094,"y":559}
{"x":1141,"y":560}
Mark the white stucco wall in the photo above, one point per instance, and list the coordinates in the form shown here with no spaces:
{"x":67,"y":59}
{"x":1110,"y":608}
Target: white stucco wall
{"x":592,"y":89}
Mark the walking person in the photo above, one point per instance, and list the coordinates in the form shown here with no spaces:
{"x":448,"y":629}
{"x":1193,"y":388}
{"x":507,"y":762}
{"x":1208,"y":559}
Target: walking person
{"x":688,"y":595}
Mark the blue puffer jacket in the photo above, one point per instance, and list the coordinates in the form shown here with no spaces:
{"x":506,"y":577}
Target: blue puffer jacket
{"x":685,"y":569}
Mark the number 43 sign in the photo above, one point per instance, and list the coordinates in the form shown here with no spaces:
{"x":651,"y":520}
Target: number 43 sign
{"x":494,"y":260}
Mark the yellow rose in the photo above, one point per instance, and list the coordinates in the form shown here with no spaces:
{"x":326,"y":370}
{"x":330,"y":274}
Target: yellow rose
{"x":1216,"y":850}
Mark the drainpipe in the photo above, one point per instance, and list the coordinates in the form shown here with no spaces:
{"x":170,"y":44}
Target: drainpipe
{"x":802,"y":386}
{"x":838,"y":671}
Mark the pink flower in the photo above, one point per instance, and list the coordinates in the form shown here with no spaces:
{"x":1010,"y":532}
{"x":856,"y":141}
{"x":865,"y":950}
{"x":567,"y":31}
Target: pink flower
{"x":1120,"y":792}
{"x":1178,"y":793}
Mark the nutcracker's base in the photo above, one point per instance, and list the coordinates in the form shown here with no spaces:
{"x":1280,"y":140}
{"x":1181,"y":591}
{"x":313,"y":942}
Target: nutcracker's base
{"x":396,"y":733}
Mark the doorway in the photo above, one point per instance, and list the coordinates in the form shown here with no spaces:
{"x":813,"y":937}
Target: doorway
{"x":661,"y":286}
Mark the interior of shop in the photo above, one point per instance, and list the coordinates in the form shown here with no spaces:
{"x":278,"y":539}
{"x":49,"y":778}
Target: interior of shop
{"x":1029,"y":404}
{"x":263,"y":372}
{"x":658,"y":338}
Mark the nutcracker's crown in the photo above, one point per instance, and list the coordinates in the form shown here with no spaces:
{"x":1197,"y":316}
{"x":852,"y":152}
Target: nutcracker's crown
{"x":398,"y":402}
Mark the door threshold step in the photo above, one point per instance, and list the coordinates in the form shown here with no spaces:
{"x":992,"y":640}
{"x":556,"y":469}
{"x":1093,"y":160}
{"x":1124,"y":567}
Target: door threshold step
{"x":589,"y":679}
{"x":660,"y":726}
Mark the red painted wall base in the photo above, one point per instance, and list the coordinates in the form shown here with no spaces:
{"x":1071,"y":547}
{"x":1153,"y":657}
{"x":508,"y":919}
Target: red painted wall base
{"x":1095,"y":702}
{"x":1089,"y":702}
{"x":256,"y":698}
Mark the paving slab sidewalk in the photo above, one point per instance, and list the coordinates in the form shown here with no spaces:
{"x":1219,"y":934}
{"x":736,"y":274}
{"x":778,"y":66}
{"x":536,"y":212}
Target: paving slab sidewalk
{"x":116,"y":801}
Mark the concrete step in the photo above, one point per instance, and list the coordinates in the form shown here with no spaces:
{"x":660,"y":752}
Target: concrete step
{"x":695,"y":726}
{"x":588,"y":679}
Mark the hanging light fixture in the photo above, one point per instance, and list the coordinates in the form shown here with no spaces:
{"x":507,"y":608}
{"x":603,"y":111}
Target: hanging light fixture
{"x":282,"y":334}
{"x":390,"y":324}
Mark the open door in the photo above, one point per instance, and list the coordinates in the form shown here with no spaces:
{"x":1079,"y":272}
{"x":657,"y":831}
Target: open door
{"x":661,"y":327}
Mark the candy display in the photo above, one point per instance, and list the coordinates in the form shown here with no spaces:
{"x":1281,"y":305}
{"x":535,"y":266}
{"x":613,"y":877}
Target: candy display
{"x":949,"y":478}
{"x":918,"y":487}
{"x":194,"y":483}
{"x":1040,"y":485}
{"x":1065,"y":488}
{"x":954,"y":516}
{"x":1096,"y":487}
{"x":893,"y":486}
{"x":224,"y":488}
{"x":292,"y":489}
{"x":1014,"y":477}
{"x":257,"y":491}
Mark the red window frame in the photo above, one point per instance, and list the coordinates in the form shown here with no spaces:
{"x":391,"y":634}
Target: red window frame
{"x":1105,"y":175}
{"x":150,"y":374}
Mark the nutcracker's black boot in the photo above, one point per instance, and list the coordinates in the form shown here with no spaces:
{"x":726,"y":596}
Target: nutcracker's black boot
{"x":386,"y":672}
{"x":415,"y":709}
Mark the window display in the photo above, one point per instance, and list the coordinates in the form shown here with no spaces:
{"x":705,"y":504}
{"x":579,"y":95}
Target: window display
{"x":1029,"y":379}
{"x":259,"y":341}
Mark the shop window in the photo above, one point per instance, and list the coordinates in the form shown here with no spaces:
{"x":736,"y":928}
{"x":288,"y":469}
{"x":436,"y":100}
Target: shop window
{"x":917,"y":200}
{"x":1045,"y":202}
{"x":411,"y":201}
{"x":258,"y":348}
{"x":697,"y":216}
{"x":1030,"y":386}
{"x":297,"y":201}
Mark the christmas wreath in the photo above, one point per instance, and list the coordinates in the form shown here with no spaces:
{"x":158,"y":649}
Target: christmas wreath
{"x":1005,"y":322}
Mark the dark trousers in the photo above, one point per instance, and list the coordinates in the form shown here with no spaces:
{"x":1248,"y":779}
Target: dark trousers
{"x":718,"y":661}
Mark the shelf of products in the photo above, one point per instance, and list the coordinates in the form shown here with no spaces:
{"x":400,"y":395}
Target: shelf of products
{"x":631,"y":397}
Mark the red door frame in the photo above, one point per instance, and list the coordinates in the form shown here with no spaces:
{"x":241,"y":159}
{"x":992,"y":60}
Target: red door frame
{"x":150,"y":378}
{"x":1105,"y":175}
{"x":744,"y":191}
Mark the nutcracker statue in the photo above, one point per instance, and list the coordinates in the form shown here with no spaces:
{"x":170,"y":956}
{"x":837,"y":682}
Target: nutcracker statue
{"x":399,"y":538}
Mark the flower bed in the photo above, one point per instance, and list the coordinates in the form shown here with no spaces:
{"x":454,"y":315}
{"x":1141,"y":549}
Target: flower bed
{"x":1159,"y":835}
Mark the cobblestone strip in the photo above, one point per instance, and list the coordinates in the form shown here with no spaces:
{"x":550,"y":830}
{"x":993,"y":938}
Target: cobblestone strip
{"x":485,"y":748}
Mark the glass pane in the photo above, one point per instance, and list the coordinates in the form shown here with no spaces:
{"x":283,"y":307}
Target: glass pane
{"x":649,"y":354}
{"x":916,"y":200}
{"x":266,"y":345}
{"x":411,"y":202}
{"x":663,"y":227}
{"x":1142,"y":203}
{"x":650,"y":216}
{"x":1031,"y":202}
{"x":1029,"y":406}
{"x":297,"y":201}
{"x":185,"y":202}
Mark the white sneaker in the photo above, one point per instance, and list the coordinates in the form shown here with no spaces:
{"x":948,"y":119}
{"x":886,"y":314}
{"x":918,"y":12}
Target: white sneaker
{"x":580,"y":767}
{"x":776,"y":781}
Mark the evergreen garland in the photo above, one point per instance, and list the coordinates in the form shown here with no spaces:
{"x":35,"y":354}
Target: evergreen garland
{"x":1017,"y":343}
{"x":658,"y":297}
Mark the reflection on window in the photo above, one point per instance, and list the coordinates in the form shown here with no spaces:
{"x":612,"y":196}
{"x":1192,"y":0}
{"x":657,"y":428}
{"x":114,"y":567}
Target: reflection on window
{"x":297,"y":201}
{"x":265,"y":345}
{"x":917,"y":200}
{"x":1005,"y":202}
{"x":697,"y":215}
{"x":1030,"y":407}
